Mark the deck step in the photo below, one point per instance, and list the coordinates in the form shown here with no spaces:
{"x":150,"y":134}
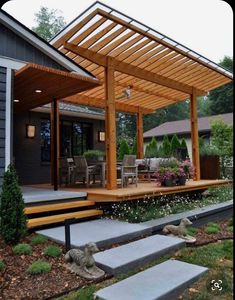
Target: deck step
{"x":58,"y":206}
{"x":136,"y":254}
{"x":161,"y":282}
{"x":61,"y":217}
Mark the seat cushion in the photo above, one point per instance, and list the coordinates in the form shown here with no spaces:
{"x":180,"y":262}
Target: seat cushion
{"x":154,"y":163}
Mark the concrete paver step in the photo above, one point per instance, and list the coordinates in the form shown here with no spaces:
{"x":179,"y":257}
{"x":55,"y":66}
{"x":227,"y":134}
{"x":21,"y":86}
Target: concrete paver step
{"x":161,"y":282}
{"x":136,"y":254}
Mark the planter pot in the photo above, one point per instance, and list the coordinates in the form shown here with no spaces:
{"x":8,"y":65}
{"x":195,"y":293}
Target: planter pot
{"x":169,"y":182}
{"x":210,"y":167}
{"x":182,"y":180}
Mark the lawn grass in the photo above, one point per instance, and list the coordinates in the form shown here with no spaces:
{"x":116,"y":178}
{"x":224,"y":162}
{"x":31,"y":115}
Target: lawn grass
{"x":217,"y":257}
{"x":154,"y":208}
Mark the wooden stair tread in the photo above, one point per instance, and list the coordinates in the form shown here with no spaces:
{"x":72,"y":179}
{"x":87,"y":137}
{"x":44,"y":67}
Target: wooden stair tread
{"x":60,"y":218}
{"x":57,"y":206}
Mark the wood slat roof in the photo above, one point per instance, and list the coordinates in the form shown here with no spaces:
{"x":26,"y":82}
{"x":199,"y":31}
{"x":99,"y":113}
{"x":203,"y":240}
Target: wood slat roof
{"x":54,"y":84}
{"x":159,"y":70}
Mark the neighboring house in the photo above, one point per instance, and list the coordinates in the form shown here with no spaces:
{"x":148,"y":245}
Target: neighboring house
{"x":22,"y":51}
{"x":182,"y":129}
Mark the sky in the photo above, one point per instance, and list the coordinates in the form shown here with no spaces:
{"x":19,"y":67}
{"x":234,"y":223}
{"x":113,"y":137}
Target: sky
{"x":205,"y":26}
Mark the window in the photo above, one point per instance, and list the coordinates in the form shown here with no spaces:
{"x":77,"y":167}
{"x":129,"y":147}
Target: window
{"x":45,"y":141}
{"x":75,"y":139}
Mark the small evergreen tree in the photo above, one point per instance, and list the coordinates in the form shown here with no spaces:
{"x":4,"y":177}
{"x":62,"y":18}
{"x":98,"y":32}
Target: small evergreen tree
{"x":124,"y":149}
{"x":134,"y":147}
{"x":12,"y":217}
{"x":175,"y":144}
{"x":184,"y":146}
{"x":166,"y":146}
{"x":153,"y":147}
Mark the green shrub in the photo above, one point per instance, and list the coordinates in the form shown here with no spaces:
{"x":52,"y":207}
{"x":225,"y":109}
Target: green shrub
{"x":52,"y":251}
{"x":39,"y":267}
{"x":192,"y":231}
{"x":212,"y":224}
{"x":22,"y":249}
{"x":12,"y":217}
{"x":38,"y":239}
{"x":124,"y":149}
{"x":230,"y":228}
{"x":93,"y":154}
{"x":230,"y":222}
{"x":2,"y":266}
{"x":211,"y":230}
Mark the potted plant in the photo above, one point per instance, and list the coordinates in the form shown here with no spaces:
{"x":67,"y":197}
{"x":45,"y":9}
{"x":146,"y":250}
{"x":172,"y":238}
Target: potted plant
{"x":93,"y":156}
{"x":166,"y":176}
{"x":209,"y":162}
{"x":181,"y":176}
{"x":187,"y":169}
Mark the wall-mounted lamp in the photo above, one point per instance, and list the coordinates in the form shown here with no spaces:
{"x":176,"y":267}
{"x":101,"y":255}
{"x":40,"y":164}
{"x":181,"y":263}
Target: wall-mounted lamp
{"x":30,"y":131}
{"x":101,"y":136}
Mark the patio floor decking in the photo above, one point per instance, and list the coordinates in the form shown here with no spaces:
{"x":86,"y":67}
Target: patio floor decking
{"x":143,"y":190}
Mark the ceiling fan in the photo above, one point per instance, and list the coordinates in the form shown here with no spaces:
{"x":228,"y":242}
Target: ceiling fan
{"x":126,"y":93}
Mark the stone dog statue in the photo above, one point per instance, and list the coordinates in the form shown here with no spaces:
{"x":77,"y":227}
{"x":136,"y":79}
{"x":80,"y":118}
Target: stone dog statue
{"x":82,"y":262}
{"x":179,"y":230}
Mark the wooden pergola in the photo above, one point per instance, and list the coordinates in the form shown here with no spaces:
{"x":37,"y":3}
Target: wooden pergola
{"x":124,"y":53}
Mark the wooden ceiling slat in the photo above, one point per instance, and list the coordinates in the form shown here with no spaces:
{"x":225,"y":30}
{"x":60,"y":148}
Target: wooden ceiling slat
{"x":123,"y":56}
{"x":125,"y":46}
{"x":142,"y":60}
{"x":117,"y":42}
{"x":140,"y":53}
{"x":98,"y":46}
{"x":74,"y":30}
{"x":176,"y":70}
{"x":94,"y":38}
{"x":161,"y":61}
{"x":82,"y":36}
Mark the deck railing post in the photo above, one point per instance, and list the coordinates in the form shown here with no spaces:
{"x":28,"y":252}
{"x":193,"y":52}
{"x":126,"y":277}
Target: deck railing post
{"x":140,"y":133}
{"x":194,"y":135}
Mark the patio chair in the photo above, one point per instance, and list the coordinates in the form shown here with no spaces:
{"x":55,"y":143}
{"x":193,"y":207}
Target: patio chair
{"x":66,"y":170}
{"x":84,"y":172}
{"x":129,"y":169}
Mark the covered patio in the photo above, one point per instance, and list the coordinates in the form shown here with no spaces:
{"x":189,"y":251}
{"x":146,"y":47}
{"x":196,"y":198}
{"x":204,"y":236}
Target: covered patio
{"x":141,"y":71}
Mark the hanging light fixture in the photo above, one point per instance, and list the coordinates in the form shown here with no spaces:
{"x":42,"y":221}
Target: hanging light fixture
{"x":101,"y":136}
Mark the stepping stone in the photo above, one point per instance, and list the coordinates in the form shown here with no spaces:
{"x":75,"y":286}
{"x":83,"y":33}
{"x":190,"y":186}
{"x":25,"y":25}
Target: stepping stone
{"x":162,"y":282}
{"x":136,"y":254}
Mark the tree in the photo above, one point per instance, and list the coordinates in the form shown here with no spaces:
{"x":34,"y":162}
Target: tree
{"x":166,"y":145}
{"x":49,"y":22}
{"x":134,"y":147}
{"x":152,"y":149}
{"x":222,"y":139}
{"x":124,"y":149}
{"x":184,"y":146}
{"x":175,"y":144}
{"x":12,"y":217}
{"x":221,"y":98}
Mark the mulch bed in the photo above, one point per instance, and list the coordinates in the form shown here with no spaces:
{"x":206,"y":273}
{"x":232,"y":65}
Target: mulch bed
{"x":15,"y":283}
{"x":203,"y":238}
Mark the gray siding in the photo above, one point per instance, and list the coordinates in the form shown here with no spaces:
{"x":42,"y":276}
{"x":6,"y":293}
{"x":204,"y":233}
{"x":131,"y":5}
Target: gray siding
{"x":27,"y":152}
{"x":13,"y":46}
{"x":2,"y":120}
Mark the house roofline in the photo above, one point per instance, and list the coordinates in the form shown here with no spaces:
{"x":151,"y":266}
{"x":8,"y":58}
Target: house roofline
{"x":41,"y":44}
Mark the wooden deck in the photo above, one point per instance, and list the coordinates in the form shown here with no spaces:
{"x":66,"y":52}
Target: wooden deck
{"x":144,"y":189}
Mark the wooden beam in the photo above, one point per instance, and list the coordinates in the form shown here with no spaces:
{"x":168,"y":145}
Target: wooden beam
{"x":100,"y":103}
{"x":131,"y":70}
{"x":140,"y":135}
{"x":194,"y":135}
{"x":110,"y":126}
{"x":55,"y":142}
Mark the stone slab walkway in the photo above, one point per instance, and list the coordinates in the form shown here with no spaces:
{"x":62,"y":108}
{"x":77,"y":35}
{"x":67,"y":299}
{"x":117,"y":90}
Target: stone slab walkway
{"x":136,"y":254}
{"x":161,"y":282}
{"x":103,"y":232}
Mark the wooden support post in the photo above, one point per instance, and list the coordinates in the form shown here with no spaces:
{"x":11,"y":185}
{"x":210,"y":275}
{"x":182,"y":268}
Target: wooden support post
{"x":194,"y":135}
{"x":110,"y":126}
{"x":140,"y":133}
{"x":55,"y":143}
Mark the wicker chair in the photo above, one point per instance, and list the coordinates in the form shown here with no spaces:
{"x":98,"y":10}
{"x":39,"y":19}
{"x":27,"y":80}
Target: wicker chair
{"x":129,"y":169}
{"x":84,"y":172}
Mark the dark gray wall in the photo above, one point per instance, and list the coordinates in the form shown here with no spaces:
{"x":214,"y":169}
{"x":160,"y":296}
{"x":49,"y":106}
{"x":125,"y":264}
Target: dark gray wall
{"x":2,"y":120}
{"x":13,"y":46}
{"x":27,"y":152}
